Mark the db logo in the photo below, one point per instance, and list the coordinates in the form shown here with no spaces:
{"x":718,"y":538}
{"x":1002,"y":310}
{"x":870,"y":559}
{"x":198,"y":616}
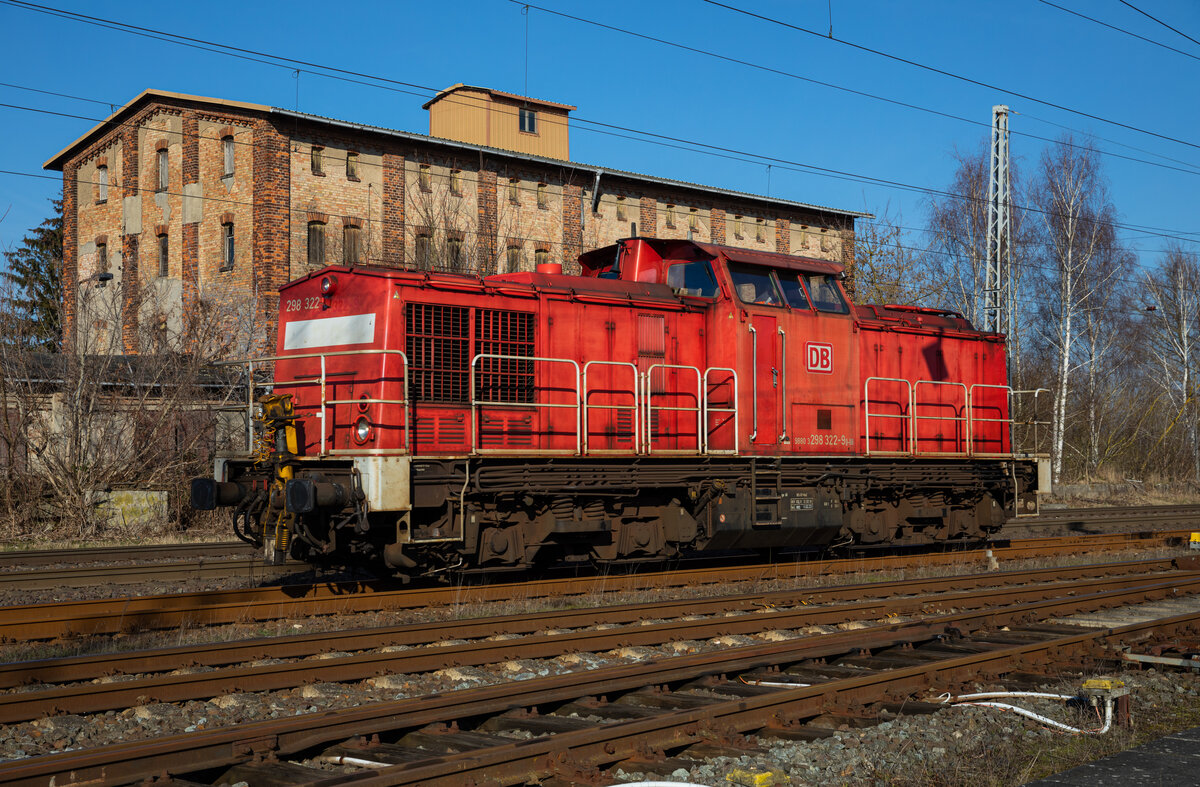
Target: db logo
{"x":819,"y":357}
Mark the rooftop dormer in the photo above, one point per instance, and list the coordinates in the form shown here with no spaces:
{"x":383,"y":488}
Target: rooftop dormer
{"x":481,"y":116}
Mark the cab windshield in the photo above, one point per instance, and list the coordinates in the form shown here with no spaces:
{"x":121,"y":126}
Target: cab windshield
{"x":755,"y":285}
{"x":692,"y":278}
{"x":826,"y":295}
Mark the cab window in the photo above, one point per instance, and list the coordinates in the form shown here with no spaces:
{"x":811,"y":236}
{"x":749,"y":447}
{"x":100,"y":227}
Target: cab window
{"x":755,"y":285}
{"x":692,"y":278}
{"x":793,"y":290}
{"x":825,"y":294}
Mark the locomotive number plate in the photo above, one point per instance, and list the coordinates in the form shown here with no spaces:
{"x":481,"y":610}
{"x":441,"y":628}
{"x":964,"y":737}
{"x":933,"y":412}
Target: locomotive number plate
{"x":824,"y":439}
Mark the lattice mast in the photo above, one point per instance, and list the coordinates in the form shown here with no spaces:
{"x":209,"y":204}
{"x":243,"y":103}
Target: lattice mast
{"x":997,"y":288}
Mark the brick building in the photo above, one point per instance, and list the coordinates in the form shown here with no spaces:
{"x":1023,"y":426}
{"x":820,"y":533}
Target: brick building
{"x":177,"y":201}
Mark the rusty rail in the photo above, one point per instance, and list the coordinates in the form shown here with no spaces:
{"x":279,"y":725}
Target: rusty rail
{"x":110,"y":616}
{"x":180,"y":754}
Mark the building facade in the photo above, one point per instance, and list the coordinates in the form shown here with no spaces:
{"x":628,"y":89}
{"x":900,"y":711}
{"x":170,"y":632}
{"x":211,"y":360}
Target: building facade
{"x":177,"y":204}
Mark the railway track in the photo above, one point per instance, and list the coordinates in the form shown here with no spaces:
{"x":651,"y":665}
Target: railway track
{"x":688,"y":705}
{"x":740,"y":615}
{"x":21,"y":558}
{"x":92,"y":567}
{"x":142,"y":613}
{"x":200,"y":568}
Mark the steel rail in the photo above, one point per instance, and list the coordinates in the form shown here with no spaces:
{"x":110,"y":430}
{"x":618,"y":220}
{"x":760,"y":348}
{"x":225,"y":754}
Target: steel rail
{"x":90,"y":576}
{"x":129,"y":762}
{"x":109,"y":616}
{"x":220,"y":654}
{"x":46,"y":557}
{"x":607,"y":744}
{"x":91,"y":698}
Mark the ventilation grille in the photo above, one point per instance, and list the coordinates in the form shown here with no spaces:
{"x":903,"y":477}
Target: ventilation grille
{"x":501,"y":332}
{"x":437,"y":343}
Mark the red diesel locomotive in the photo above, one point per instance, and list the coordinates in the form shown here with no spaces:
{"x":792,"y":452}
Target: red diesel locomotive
{"x":673,"y":398}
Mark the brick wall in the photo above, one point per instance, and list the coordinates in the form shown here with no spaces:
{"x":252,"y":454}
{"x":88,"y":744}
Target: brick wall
{"x":70,"y":271}
{"x":272,"y":194}
{"x":393,"y":209}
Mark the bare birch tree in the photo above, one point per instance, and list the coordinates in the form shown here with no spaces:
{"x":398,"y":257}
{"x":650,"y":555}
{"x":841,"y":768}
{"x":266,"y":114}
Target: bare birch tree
{"x":1075,"y":237}
{"x":1173,"y":337}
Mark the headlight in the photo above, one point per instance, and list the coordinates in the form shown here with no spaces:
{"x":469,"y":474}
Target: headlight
{"x":362,"y":429}
{"x":328,"y":285}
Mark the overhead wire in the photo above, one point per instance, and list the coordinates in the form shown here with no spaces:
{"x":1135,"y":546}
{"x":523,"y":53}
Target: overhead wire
{"x":1119,"y":29}
{"x":786,"y":164}
{"x":952,"y":75}
{"x":1159,"y":21}
{"x":346,"y":75}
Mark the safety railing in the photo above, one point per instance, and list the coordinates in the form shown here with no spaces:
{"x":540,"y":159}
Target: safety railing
{"x":614,"y":408}
{"x":649,"y":408}
{"x":477,"y":403}
{"x":905,"y":417}
{"x":1027,"y":421}
{"x":324,"y":404}
{"x":974,"y":398}
{"x":958,"y":438}
{"x":709,"y":409}
{"x":1005,"y":424}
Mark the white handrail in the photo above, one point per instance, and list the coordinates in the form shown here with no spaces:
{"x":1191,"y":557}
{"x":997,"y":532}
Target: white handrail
{"x":707,"y":409}
{"x":648,"y":432}
{"x":916,"y":436}
{"x":1008,"y":391}
{"x":902,"y":416}
{"x":325,"y":403}
{"x":635,"y":406}
{"x":477,"y":403}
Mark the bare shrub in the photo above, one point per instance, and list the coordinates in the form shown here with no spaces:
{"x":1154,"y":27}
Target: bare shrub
{"x":77,"y":424}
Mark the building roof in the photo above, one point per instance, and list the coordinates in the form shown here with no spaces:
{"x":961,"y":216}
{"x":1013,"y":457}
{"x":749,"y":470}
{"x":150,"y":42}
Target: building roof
{"x":497,"y":93}
{"x":56,"y":162}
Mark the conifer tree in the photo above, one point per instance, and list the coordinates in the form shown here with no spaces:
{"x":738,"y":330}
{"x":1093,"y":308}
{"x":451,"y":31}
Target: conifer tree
{"x":33,"y":275}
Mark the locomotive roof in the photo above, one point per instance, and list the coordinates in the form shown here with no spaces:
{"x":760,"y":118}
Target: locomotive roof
{"x":626,"y":291}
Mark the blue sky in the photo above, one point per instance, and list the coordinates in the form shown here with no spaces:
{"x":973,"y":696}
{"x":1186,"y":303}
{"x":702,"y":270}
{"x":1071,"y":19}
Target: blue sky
{"x":642,"y":85}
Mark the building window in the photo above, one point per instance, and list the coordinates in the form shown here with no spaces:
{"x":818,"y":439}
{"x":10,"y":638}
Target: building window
{"x":513,"y":257}
{"x":737,"y":227}
{"x":101,"y":184}
{"x":101,"y":257}
{"x":227,"y":246}
{"x":423,"y":250}
{"x":454,"y":251}
{"x":760,"y":231}
{"x":316,"y":160}
{"x":693,"y":220}
{"x":352,"y":165}
{"x":543,"y":199}
{"x":541,"y":256}
{"x":351,"y":245}
{"x":227,"y":153}
{"x":513,"y":191}
{"x":456,"y":182}
{"x":529,"y":121}
{"x":162,"y":169}
{"x":164,"y":249}
{"x":671,"y":217}
{"x":621,"y":211}
{"x":425,"y":178}
{"x":316,"y":243}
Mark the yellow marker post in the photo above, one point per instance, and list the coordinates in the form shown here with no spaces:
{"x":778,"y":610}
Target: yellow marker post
{"x":1195,"y":544}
